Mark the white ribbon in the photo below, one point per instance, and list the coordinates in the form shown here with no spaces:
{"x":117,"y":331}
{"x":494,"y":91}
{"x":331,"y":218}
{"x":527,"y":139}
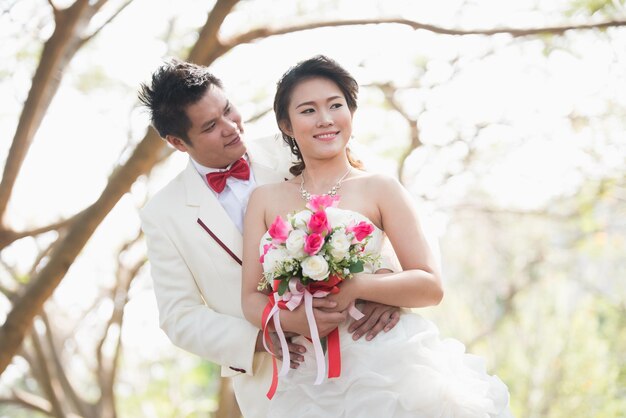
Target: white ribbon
{"x":292,"y":300}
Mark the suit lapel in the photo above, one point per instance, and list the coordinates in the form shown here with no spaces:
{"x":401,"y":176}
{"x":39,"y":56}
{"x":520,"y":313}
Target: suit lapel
{"x":211,"y":213}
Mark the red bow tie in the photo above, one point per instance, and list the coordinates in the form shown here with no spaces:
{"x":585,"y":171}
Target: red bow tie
{"x":239,"y":170}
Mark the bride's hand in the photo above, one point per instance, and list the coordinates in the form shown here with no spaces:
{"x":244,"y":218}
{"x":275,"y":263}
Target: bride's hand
{"x":326,"y":315}
{"x":346,"y":296}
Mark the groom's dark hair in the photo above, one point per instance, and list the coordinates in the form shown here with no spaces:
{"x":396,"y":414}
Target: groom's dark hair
{"x":175,"y":85}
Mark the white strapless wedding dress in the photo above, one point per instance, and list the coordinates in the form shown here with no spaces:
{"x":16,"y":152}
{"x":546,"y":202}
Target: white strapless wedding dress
{"x":407,"y":372}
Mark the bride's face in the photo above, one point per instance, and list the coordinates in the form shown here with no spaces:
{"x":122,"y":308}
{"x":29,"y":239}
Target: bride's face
{"x":320,"y":119}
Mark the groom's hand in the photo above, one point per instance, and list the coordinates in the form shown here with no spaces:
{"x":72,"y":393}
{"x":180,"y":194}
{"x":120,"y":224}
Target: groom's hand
{"x":376,"y":318}
{"x":295,"y":350}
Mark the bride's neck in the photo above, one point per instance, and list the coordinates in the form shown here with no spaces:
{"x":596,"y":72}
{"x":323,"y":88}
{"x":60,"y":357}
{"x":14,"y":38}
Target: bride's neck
{"x":319,"y":177}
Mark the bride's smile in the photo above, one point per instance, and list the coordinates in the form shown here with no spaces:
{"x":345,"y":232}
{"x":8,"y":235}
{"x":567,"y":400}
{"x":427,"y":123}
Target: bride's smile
{"x":327,"y":136}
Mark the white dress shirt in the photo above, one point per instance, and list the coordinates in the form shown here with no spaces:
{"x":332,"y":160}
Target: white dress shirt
{"x":234,"y":197}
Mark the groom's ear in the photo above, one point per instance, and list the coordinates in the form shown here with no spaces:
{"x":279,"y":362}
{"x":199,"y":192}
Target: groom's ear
{"x":177,"y":143}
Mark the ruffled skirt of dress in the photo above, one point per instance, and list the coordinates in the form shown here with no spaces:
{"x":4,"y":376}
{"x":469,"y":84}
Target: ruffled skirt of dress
{"x":407,"y":372}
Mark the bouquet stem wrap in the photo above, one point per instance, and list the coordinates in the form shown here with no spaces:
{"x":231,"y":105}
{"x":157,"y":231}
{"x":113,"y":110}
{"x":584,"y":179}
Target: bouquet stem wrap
{"x":291,"y":299}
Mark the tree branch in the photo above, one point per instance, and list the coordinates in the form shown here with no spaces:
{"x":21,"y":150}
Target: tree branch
{"x":109,"y":20}
{"x":208,"y":48}
{"x":8,"y":293}
{"x":8,"y":236}
{"x":263,"y":33}
{"x":512,"y":212}
{"x":56,"y":54}
{"x":508,"y":305}
{"x":107,"y":368}
{"x":79,"y":405}
{"x":6,"y":9}
{"x":29,"y":401}
{"x":415,"y":142}
{"x":508,"y":308}
{"x":44,"y":377}
{"x":100,"y":3}
{"x":66,"y":249}
{"x":54,"y":8}
{"x":42,"y":254}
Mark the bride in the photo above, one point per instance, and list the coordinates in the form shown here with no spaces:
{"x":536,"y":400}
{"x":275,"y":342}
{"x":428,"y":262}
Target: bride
{"x":408,"y":371}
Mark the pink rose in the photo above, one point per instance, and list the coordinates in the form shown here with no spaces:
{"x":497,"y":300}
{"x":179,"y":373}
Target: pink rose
{"x":321,"y":202}
{"x":318,"y":223}
{"x":266,"y":248}
{"x":279,"y":230}
{"x":361,"y":230}
{"x":313,"y":243}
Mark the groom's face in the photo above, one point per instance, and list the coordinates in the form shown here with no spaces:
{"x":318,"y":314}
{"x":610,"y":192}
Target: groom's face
{"x":216,"y":131}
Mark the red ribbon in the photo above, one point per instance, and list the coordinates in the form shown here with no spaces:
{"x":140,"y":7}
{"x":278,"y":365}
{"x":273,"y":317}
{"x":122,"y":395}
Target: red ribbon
{"x":266,"y":337}
{"x":333,"y":342}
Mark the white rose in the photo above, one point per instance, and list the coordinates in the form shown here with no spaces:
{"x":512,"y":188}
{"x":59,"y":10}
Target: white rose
{"x":273,"y":258}
{"x":301,"y":219}
{"x":295,"y":243}
{"x":339,"y":244}
{"x":315,"y":268}
{"x":338,"y":217}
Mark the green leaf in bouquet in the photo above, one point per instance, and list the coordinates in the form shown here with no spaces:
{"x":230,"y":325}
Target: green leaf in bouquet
{"x":282,"y":287}
{"x":356,"y":267}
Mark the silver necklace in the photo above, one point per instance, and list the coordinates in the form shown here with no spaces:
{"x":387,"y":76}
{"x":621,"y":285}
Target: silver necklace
{"x":332,"y":192}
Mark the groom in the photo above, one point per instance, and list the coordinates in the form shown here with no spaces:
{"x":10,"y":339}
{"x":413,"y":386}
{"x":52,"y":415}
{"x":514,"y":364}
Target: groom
{"x":193,"y":229}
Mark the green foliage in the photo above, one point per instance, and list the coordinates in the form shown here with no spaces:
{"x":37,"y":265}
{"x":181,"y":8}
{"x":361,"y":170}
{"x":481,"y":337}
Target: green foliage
{"x":282,"y":287}
{"x":179,"y":387}
{"x":356,"y":267}
{"x":606,"y":7}
{"x":558,"y":343}
{"x":95,"y":78}
{"x":14,"y":411}
{"x":559,"y":359}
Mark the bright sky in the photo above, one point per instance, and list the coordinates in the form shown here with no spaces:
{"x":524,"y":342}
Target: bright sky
{"x":522,"y":93}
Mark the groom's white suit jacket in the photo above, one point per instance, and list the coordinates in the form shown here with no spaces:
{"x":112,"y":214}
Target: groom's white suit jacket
{"x":198,"y":284}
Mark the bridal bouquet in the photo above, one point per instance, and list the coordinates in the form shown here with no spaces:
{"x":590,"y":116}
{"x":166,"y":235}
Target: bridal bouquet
{"x":316,"y":244}
{"x":307,"y":256}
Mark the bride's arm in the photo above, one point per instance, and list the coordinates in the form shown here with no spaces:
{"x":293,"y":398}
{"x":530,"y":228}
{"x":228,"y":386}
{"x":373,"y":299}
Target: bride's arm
{"x":252,"y":300}
{"x":419,"y":284}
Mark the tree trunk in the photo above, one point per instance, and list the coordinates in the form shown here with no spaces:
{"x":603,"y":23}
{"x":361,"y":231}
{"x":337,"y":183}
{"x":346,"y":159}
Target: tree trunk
{"x":147,"y":153}
{"x":228,"y":407}
{"x":57,"y":53}
{"x":29,"y":302}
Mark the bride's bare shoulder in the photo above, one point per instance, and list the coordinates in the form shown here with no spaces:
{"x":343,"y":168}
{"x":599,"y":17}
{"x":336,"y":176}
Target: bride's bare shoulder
{"x":375,"y":181}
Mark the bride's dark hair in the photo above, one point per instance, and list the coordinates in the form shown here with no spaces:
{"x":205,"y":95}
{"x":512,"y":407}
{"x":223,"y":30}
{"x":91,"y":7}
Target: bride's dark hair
{"x":318,"y":66}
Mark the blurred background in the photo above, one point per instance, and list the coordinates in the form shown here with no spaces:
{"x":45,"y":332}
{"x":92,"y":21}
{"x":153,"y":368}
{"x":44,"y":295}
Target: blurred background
{"x":505,"y":120}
